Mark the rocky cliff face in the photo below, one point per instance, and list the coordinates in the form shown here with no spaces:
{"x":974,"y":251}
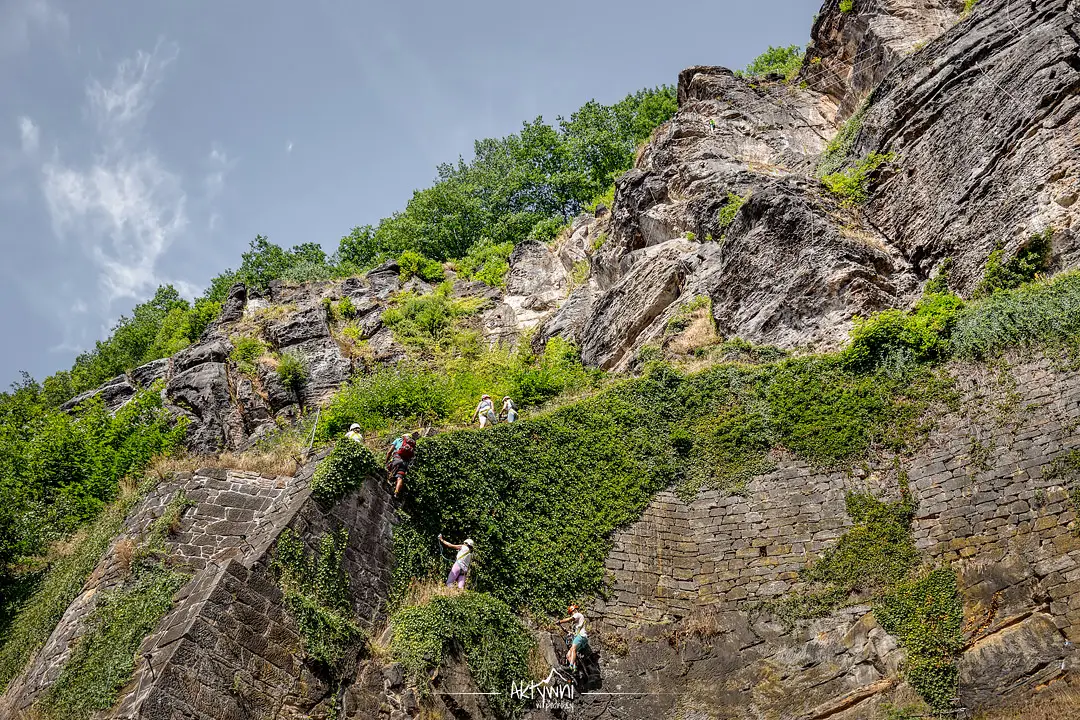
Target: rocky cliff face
{"x":980,"y":116}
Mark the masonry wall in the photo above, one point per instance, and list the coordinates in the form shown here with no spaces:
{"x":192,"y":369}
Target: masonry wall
{"x":227,"y":649}
{"x":685,"y":578}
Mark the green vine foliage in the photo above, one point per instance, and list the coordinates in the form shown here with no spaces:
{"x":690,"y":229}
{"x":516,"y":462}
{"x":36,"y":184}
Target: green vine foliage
{"x":839,"y":148}
{"x":926,"y":614}
{"x":482,"y":628}
{"x":726,"y":215}
{"x":342,"y":471}
{"x":873,"y":555}
{"x":104,"y":658}
{"x":543,"y":496}
{"x":1067,"y":469}
{"x":316,"y":591}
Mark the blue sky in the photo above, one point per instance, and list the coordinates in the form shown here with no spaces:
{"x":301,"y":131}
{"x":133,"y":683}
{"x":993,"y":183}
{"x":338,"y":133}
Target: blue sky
{"x":145,"y":142}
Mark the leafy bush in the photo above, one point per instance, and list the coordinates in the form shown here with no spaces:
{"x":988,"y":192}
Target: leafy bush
{"x":413,"y":264}
{"x":939,"y":283}
{"x":1022,"y":268}
{"x":495,"y":645}
{"x":487,"y":262}
{"x":63,"y":581}
{"x":343,"y":470}
{"x":59,"y":470}
{"x":785,"y":61}
{"x":428,"y":322}
{"x":901,"y":338}
{"x":316,"y":592}
{"x":346,"y":309}
{"x":852,"y":185}
{"x":246,"y":352}
{"x":727,"y":213}
{"x":291,"y":372}
{"x":847,"y":5}
{"x":1042,"y":313}
{"x":103,"y":659}
{"x":548,"y":229}
{"x":411,"y":394}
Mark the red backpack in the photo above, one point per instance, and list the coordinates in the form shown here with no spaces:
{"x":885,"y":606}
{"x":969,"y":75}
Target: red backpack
{"x":407,"y":449}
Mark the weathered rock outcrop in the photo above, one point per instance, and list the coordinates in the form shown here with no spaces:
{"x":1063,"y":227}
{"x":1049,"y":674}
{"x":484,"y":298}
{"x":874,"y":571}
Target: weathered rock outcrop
{"x":984,"y":124}
{"x":850,"y":52}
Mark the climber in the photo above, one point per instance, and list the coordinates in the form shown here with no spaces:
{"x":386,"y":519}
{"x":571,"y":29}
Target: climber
{"x":354,"y":433}
{"x":581,"y":638}
{"x":509,"y":410}
{"x":485,"y":411}
{"x":398,"y":458}
{"x":460,"y":571}
{"x":712,"y":124}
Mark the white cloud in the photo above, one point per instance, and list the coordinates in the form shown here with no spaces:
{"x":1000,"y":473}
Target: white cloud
{"x":19,"y":18}
{"x":30,"y":134}
{"x":122,"y":105}
{"x":126,"y":208}
{"x":220,"y":165}
{"x":288,"y":147}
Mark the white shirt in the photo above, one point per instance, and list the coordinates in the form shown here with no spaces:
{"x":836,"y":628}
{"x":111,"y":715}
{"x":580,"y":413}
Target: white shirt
{"x":464,"y":557}
{"x":485,"y":406}
{"x":579,"y":624}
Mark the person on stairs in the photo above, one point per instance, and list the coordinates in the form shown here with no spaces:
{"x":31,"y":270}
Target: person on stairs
{"x":485,"y":411}
{"x":355,"y":434}
{"x":509,"y":410}
{"x":460,"y":571}
{"x":398,"y":458}
{"x":581,"y":638}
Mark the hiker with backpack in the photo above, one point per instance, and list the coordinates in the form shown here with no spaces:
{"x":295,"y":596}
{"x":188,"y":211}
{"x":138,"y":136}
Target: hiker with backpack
{"x":460,"y":571}
{"x":485,"y":411}
{"x":398,"y":458}
{"x":509,"y":410}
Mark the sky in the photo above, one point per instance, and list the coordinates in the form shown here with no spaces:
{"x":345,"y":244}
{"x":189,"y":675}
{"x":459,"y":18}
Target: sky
{"x":147,"y":142}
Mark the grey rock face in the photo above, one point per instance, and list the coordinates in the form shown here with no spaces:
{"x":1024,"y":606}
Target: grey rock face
{"x":622,"y":313}
{"x":145,"y":375}
{"x":534,"y":270}
{"x":233,"y":309}
{"x":789,"y":275}
{"x":384,"y":280}
{"x":113,"y":394}
{"x":215,"y":351}
{"x":308,"y":324}
{"x":983,"y":122}
{"x":327,"y":368}
{"x":203,"y":394}
{"x":851,"y":52}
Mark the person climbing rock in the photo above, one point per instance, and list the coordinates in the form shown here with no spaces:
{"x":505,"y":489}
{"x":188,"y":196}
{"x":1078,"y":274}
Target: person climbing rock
{"x":509,"y":410}
{"x":581,"y":638}
{"x":398,"y":458}
{"x":712,"y":124}
{"x":460,"y":571}
{"x":485,"y":411}
{"x":355,"y":434}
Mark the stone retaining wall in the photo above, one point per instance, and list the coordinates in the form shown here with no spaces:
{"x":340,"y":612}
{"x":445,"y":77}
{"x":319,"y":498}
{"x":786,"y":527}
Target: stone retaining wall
{"x":227,"y":649}
{"x":685,"y":576}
